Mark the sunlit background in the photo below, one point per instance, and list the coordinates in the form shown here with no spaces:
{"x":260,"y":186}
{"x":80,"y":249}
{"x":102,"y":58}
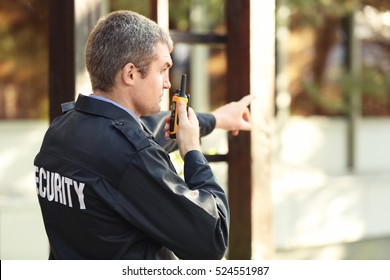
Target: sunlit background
{"x":330,"y":162}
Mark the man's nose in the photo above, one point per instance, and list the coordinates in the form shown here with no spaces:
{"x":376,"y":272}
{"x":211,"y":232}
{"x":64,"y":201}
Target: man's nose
{"x":167,"y":83}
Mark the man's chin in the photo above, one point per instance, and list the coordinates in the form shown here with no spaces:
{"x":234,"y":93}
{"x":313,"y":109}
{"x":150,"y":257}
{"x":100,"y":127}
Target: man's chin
{"x":153,"y":112}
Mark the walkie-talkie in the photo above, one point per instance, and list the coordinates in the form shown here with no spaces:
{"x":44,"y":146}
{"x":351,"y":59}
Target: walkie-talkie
{"x":180,"y":94}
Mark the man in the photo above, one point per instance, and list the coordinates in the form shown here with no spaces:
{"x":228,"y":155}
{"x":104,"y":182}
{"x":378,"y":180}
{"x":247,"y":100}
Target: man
{"x":106,"y":186}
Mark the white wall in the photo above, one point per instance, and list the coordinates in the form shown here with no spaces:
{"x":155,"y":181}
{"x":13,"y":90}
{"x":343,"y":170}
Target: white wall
{"x":316,"y":200}
{"x":22,"y":235}
{"x":321,"y":142}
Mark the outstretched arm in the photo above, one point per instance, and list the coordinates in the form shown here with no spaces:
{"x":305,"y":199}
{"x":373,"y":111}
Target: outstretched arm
{"x":234,"y":116}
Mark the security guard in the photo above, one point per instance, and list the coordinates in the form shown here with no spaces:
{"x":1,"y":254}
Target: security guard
{"x":105,"y":183}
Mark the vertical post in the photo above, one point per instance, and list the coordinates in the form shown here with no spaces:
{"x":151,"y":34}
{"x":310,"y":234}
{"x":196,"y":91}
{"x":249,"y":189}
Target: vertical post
{"x":61,"y":55}
{"x":87,"y":13}
{"x":354,"y":95}
{"x":199,"y":86}
{"x":251,"y":69}
{"x":239,"y":156}
{"x":262,"y":84}
{"x":159,"y":11}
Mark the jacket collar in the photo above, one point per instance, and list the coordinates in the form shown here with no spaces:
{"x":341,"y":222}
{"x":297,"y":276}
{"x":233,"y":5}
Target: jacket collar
{"x":98,"y":107}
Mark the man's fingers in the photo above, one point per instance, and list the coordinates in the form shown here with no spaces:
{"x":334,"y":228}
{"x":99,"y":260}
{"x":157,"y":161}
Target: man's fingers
{"x":246,"y":115}
{"x":191,"y":115}
{"x":247,"y":99}
{"x":247,"y":126}
{"x":182,"y":114}
{"x":245,"y":122}
{"x":235,"y":132}
{"x":166,"y":127}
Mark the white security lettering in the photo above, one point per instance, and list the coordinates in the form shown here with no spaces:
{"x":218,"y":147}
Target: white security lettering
{"x":63,"y":190}
{"x":37,"y":178}
{"x":79,"y":190}
{"x":42,"y":175}
{"x":49,"y":186}
{"x":68,"y":183}
{"x":57,"y":188}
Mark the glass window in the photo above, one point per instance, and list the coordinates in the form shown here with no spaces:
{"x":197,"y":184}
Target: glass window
{"x":198,"y":16}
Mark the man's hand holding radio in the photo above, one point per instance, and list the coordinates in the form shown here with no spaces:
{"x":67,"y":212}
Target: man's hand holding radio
{"x":187,"y":136}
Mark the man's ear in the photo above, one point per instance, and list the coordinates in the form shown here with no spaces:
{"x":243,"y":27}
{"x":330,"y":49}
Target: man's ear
{"x":128,"y":73}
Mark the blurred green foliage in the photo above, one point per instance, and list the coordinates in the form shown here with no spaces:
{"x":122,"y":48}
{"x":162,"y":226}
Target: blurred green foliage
{"x":374,"y":86}
{"x":138,"y":6}
{"x":180,"y":13}
{"x":324,"y":92}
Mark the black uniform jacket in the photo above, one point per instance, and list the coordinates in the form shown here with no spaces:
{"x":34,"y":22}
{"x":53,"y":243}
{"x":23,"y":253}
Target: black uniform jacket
{"x":108,"y":190}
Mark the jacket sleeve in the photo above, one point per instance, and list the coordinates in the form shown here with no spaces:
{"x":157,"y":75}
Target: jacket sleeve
{"x":155,"y":123}
{"x":191,"y":217}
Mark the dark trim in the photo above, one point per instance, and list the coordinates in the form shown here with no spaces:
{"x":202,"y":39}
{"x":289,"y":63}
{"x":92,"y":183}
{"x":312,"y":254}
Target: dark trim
{"x":194,"y":38}
{"x":62,"y":80}
{"x":216,"y":158}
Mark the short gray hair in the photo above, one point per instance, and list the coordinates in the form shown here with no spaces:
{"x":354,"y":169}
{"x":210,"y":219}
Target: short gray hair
{"x":117,"y":39}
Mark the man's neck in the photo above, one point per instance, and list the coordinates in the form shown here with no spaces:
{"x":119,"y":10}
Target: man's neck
{"x":118,"y":98}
